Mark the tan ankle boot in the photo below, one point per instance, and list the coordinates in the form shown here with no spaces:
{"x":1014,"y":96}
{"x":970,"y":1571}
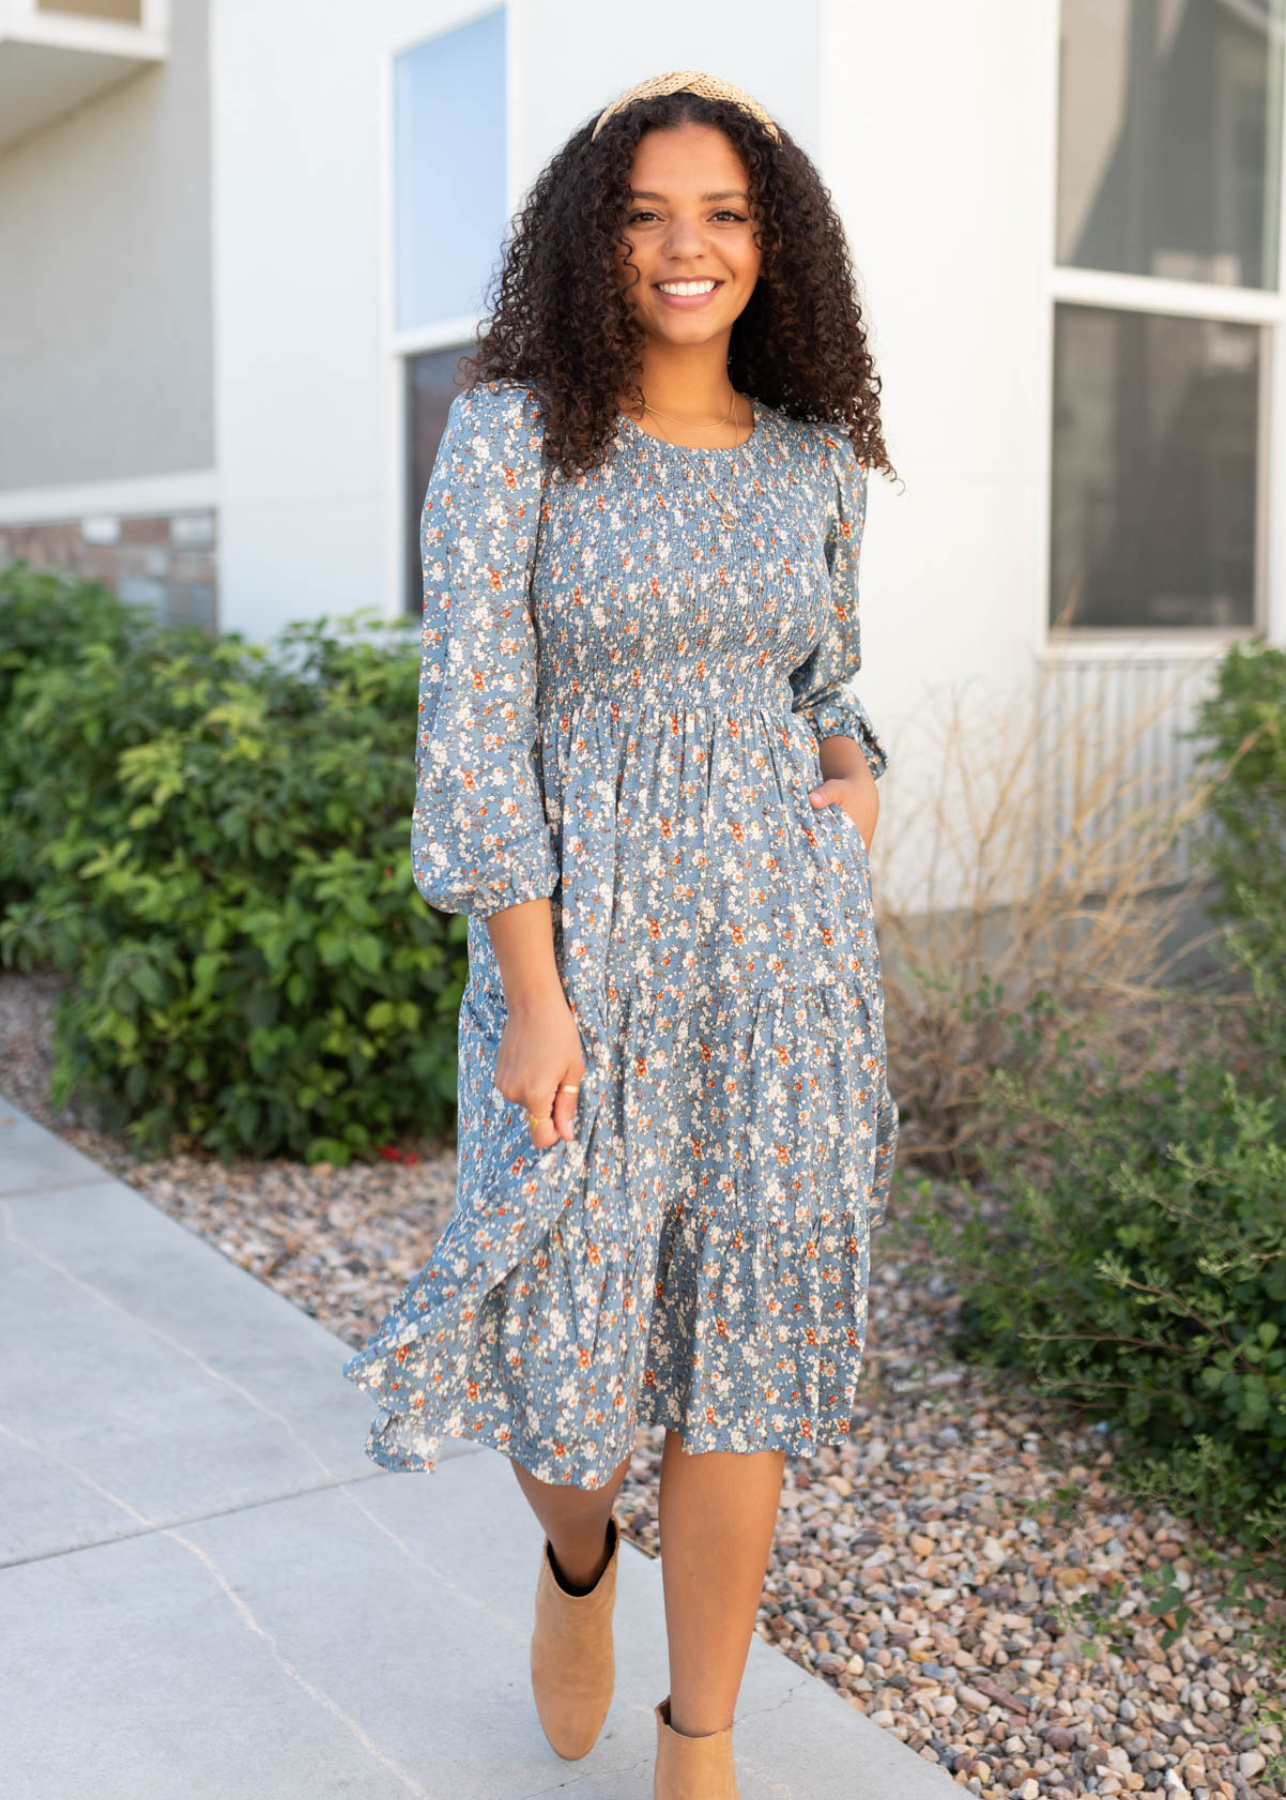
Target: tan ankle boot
{"x":573,"y":1668}
{"x":692,"y":1768}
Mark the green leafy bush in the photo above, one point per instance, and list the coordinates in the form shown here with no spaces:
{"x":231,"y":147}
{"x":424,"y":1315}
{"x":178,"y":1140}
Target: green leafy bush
{"x":1241,"y":727}
{"x":45,"y":617}
{"x":1138,"y":1269}
{"x":214,"y":840}
{"x":1127,"y":1246}
{"x":45,"y":621}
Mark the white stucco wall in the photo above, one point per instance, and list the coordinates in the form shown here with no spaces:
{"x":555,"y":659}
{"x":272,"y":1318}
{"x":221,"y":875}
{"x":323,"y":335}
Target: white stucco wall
{"x":300,"y":373}
{"x":938,"y":146}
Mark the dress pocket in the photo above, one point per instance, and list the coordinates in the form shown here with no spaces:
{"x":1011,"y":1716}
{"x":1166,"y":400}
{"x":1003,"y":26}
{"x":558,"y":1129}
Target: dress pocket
{"x":847,"y":822}
{"x":853,"y":868}
{"x":848,"y":838}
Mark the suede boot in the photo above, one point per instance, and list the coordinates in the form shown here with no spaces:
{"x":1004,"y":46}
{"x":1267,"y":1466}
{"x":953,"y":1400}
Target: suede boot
{"x":692,"y":1768}
{"x":573,"y":1668}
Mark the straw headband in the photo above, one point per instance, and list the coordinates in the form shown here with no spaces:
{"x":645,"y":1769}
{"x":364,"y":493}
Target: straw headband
{"x":689,"y":81}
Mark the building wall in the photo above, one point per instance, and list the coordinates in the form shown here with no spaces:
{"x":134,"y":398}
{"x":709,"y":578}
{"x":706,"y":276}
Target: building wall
{"x":937,"y":146}
{"x":106,"y":349}
{"x":302,"y":378}
{"x":1006,"y":745}
{"x":107,"y":430}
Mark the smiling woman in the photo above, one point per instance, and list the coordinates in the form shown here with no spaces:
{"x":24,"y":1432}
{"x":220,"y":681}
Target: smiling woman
{"x":643,"y":773}
{"x":691,"y":253}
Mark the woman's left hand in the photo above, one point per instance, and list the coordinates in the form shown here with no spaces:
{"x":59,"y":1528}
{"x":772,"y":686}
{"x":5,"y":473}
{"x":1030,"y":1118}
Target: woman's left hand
{"x":856,"y":792}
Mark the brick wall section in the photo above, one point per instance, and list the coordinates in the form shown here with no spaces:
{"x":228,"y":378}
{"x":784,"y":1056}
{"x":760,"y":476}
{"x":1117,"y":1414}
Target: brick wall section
{"x":167,"y":563}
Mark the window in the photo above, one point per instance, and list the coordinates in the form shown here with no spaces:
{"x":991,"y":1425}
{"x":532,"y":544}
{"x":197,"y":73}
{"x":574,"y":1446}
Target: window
{"x":450,"y":214}
{"x":449,"y":170}
{"x":430,"y":388}
{"x":1166,"y":289}
{"x":1169,"y":150}
{"x":1155,"y":468}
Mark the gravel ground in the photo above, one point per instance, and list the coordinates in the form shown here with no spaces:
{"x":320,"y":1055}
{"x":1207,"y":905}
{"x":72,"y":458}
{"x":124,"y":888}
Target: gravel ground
{"x":942,"y":1569}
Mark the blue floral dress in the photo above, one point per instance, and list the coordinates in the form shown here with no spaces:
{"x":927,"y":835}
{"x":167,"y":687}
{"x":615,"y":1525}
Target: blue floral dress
{"x":621,"y":699}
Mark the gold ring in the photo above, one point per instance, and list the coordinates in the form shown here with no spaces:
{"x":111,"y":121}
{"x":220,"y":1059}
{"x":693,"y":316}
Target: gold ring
{"x":538,"y":1118}
{"x":569,"y":1087}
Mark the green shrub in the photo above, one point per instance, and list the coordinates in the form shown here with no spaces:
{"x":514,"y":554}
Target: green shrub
{"x":1128,"y":1244}
{"x":1241,"y":727}
{"x":46,"y":619}
{"x":1138,"y":1271}
{"x":215,"y":842}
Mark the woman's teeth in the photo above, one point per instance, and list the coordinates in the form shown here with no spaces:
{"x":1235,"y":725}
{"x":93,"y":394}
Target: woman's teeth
{"x":687,"y":287}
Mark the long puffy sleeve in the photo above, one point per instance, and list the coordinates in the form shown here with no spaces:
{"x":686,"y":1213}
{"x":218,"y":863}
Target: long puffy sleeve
{"x":821,"y":684}
{"x":480,"y":840}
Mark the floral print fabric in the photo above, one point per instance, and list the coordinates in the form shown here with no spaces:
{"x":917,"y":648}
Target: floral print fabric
{"x":621,"y":700}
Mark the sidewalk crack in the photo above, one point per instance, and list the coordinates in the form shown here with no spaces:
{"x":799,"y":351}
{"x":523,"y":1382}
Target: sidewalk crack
{"x":588,"y":1775}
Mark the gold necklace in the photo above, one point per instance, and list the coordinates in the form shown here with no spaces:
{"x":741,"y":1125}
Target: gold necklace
{"x":728,"y":515}
{"x":670,"y":416}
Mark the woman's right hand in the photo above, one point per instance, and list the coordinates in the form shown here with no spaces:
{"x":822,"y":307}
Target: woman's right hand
{"x":539,"y":1051}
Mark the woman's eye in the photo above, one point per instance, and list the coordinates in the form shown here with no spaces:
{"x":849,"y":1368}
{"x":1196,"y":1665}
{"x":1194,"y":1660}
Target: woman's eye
{"x":723,"y":213}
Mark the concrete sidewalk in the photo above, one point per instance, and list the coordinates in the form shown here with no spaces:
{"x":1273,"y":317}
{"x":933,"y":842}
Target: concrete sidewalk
{"x":208,"y":1592}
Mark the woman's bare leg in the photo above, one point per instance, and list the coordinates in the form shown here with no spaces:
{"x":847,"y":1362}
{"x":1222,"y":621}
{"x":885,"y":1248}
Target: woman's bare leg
{"x":718,"y":1511}
{"x":575,"y":1522}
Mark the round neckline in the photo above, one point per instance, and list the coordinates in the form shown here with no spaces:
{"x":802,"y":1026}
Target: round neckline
{"x":702,"y":449}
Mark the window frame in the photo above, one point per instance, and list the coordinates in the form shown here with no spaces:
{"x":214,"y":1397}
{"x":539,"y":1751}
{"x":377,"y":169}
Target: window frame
{"x":401,"y":344}
{"x":1265,"y":307}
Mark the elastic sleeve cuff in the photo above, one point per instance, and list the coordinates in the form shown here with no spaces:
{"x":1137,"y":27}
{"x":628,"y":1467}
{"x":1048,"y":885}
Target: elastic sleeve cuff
{"x":849,"y":718}
{"x":532,"y":874}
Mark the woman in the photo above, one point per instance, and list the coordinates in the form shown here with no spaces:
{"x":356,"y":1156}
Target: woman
{"x":642,"y":775}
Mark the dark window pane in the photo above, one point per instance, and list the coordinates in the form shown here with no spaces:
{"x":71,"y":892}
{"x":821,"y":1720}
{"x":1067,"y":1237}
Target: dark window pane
{"x":431,"y":386}
{"x":1169,"y":153}
{"x":1155,"y":470}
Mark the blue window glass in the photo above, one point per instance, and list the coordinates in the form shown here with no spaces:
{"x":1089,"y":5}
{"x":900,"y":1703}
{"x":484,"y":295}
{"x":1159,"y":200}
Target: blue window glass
{"x":449,"y":170}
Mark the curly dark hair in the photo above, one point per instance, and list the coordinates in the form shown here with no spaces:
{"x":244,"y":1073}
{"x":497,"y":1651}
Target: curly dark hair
{"x":560,"y":324}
